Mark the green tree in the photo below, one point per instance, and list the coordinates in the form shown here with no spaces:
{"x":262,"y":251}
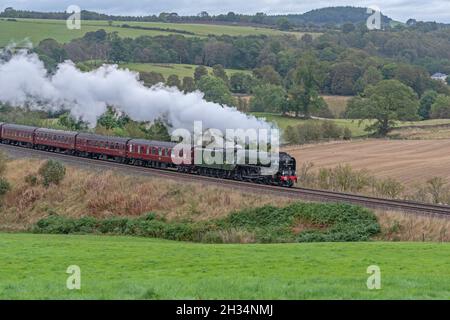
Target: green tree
{"x":67,"y":121}
{"x":173,"y":81}
{"x":241,"y":82}
{"x":188,"y":84}
{"x":200,"y":72}
{"x":216,"y":90}
{"x":219,"y":72}
{"x":284,"y":24}
{"x":267,"y":74}
{"x":427,"y":100}
{"x":304,"y":92}
{"x":158,"y":132}
{"x":348,"y":27}
{"x":151,"y":78}
{"x":370,"y":77}
{"x":386,"y":103}
{"x":111,"y":119}
{"x":268,"y":98}
{"x":441,"y":107}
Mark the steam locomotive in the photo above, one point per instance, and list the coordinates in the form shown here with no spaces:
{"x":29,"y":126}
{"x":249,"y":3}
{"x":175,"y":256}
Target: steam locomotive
{"x":152,"y":154}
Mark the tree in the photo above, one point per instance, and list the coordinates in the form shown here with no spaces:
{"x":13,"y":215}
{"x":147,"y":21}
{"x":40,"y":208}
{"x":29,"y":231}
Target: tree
{"x":348,"y":27}
{"x":386,"y":103}
{"x":216,"y":90}
{"x":268,"y":98}
{"x":188,"y":84}
{"x":267,"y":74}
{"x":343,"y":78}
{"x":305,"y":89}
{"x":118,"y":51}
{"x":427,"y":100}
{"x":158,"y":132}
{"x":200,"y":72}
{"x":219,"y":72}
{"x":173,"y":81}
{"x":284,"y":24}
{"x":370,"y":77}
{"x":241,"y":82}
{"x":441,"y":107}
{"x":151,"y":78}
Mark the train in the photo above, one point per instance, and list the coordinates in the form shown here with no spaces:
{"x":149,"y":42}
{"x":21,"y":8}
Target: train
{"x":145,"y":153}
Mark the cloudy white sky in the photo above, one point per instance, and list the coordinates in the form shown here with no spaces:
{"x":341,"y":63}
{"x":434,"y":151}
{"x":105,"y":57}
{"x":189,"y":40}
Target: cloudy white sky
{"x":429,"y":10}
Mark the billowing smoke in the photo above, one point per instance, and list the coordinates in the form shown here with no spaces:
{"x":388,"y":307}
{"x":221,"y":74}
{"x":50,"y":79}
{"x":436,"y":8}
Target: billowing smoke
{"x":24,"y":82}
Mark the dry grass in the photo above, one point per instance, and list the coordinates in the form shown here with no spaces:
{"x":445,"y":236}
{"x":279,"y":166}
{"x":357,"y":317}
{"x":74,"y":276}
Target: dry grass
{"x":431,"y":133}
{"x":397,"y":226}
{"x":107,"y":194}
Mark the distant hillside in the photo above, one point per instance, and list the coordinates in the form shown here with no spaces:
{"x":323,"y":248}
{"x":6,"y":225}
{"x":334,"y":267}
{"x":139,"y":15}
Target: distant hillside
{"x":333,"y":16}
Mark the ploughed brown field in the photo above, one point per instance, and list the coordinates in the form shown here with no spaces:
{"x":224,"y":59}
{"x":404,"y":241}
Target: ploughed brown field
{"x":410,"y":162}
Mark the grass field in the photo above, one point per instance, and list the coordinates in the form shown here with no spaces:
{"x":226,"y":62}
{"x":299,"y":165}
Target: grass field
{"x":181,"y":70}
{"x":36,"y":30}
{"x":34,"y":266}
{"x":284,"y":122}
{"x":354,"y":125}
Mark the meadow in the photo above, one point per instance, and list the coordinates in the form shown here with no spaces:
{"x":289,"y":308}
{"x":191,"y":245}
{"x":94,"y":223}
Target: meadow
{"x":36,"y":30}
{"x":356,"y":126}
{"x":34,"y":267}
{"x":181,"y":70}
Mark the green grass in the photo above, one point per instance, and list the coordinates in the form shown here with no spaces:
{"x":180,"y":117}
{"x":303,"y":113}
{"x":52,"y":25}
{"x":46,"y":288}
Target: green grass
{"x":181,"y":70}
{"x":354,"y":125}
{"x":284,"y":122}
{"x":36,"y":30}
{"x":34,"y":266}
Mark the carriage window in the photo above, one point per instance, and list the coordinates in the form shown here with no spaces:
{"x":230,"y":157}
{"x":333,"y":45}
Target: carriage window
{"x":148,"y":150}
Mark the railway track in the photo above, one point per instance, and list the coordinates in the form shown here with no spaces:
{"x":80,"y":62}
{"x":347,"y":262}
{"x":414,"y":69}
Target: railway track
{"x":295,"y":193}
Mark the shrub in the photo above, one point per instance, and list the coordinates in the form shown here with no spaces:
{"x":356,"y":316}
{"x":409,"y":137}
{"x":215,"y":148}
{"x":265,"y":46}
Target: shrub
{"x":32,"y":180}
{"x":52,"y":172}
{"x":3,"y":163}
{"x":5,"y":187}
{"x":315,"y":131}
{"x":320,"y":222}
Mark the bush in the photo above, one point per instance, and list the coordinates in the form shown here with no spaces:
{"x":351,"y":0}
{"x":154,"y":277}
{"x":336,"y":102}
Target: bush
{"x":5,"y":187}
{"x":52,"y":172}
{"x":320,"y":222}
{"x":32,"y":180}
{"x":312,"y":131}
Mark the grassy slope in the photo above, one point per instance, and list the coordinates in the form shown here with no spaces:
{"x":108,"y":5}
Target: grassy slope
{"x":37,"y":30}
{"x":128,"y":268}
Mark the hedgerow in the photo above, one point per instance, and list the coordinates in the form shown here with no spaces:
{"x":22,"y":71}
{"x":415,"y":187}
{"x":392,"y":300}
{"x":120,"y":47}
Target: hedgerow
{"x":299,"y":222}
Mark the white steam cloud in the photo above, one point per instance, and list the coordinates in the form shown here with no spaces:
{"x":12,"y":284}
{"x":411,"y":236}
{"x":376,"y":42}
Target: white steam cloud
{"x":24,"y":82}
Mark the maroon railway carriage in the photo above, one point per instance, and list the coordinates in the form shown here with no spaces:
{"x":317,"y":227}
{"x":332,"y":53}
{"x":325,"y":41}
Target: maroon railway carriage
{"x":55,"y":140}
{"x":101,"y":147}
{"x":18,"y":135}
{"x":151,"y":153}
{"x":1,"y":124}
